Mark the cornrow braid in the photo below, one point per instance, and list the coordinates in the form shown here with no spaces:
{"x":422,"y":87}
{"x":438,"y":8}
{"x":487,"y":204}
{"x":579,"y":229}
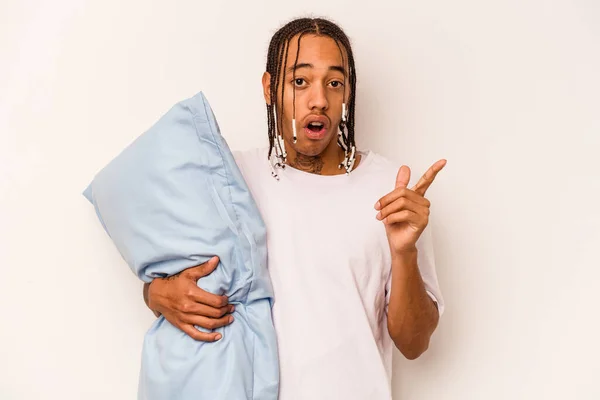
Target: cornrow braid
{"x":278,"y":54}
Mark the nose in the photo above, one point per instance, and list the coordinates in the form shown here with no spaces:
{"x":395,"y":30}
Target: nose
{"x":318,"y":98}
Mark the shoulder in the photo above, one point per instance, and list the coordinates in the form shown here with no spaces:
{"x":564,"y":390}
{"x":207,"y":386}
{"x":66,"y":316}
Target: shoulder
{"x":250,"y":158}
{"x":385,"y":168}
{"x":379,"y":162}
{"x":250,"y":154}
{"x":378,"y":168}
{"x":253,"y":164}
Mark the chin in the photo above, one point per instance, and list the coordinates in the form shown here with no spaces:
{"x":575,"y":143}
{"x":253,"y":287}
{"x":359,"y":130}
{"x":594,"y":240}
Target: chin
{"x":312,"y":148}
{"x":311,"y":151}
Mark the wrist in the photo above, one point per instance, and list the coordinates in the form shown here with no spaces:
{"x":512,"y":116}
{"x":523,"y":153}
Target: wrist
{"x":405,"y":255}
{"x":148,"y":298}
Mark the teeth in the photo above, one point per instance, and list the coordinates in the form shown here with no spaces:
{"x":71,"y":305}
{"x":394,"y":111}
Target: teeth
{"x":316,"y":124}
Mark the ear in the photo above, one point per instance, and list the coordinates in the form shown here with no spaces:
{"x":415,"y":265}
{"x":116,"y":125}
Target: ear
{"x":266,"y":83}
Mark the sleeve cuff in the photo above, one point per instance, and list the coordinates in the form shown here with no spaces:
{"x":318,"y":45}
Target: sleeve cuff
{"x":435,"y":301}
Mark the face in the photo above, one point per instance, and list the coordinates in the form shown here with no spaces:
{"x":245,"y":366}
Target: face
{"x":319,"y":79}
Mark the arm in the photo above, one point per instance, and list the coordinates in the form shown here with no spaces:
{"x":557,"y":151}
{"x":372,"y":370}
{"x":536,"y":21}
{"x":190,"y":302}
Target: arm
{"x":179,"y":299}
{"x":412,"y":314}
{"x":146,"y":299}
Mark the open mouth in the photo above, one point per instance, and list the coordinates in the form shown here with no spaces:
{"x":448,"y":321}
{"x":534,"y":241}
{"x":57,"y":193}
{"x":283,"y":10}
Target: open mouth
{"x":315,"y":130}
{"x":315,"y":126}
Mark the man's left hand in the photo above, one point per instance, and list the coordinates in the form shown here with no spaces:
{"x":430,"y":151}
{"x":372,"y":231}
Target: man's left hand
{"x":405,"y":212}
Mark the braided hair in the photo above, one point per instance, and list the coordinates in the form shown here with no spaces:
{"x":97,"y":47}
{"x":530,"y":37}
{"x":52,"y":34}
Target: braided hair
{"x":278,"y":53}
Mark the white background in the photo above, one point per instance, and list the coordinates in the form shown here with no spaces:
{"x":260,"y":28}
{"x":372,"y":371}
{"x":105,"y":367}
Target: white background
{"x":508,"y":91}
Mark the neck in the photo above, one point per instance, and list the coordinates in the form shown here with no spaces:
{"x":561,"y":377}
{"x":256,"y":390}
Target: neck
{"x":325,"y":163}
{"x":312,"y":164}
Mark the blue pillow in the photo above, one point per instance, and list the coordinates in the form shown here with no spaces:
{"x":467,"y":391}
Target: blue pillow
{"x":171,"y":200}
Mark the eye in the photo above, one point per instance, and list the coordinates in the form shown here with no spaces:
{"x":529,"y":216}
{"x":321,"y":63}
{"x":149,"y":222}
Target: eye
{"x":336,"y":84}
{"x":298,"y":81}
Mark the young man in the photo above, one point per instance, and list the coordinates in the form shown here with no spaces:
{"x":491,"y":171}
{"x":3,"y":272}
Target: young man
{"x":351,"y":266}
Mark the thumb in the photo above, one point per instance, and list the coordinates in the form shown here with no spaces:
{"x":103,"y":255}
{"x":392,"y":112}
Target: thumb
{"x":403,"y":177}
{"x":202,"y":270}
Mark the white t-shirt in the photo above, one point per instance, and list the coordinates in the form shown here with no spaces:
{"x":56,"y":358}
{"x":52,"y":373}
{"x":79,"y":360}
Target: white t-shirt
{"x":330,"y":265}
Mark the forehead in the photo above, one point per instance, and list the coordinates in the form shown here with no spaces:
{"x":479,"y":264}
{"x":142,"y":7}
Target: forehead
{"x":321,"y":51}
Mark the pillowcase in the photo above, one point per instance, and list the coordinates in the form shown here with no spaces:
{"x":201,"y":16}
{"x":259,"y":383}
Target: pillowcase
{"x":171,"y":200}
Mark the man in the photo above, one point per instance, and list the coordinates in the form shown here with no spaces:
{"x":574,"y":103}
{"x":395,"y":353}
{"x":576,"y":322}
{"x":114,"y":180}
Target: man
{"x":351,"y":269}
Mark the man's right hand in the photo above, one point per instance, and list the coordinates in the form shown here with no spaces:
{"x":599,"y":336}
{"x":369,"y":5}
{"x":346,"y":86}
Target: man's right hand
{"x":179,"y":299}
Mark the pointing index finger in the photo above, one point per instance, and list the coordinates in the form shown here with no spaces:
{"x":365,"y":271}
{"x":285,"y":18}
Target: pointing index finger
{"x":427,"y":178}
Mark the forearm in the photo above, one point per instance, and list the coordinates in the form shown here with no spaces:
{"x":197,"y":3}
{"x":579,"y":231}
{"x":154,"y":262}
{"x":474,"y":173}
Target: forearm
{"x":147,"y":298}
{"x":412,"y":314}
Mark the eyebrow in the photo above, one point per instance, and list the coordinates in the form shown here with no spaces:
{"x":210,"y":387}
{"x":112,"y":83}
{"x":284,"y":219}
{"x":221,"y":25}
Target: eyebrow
{"x":338,"y":68}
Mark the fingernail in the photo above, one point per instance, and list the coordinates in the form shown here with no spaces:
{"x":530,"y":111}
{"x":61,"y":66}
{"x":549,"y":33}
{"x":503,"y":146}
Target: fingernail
{"x":378,"y":205}
{"x":218,"y":336}
{"x":232,"y":309}
{"x":379,"y":216}
{"x":230,"y":319}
